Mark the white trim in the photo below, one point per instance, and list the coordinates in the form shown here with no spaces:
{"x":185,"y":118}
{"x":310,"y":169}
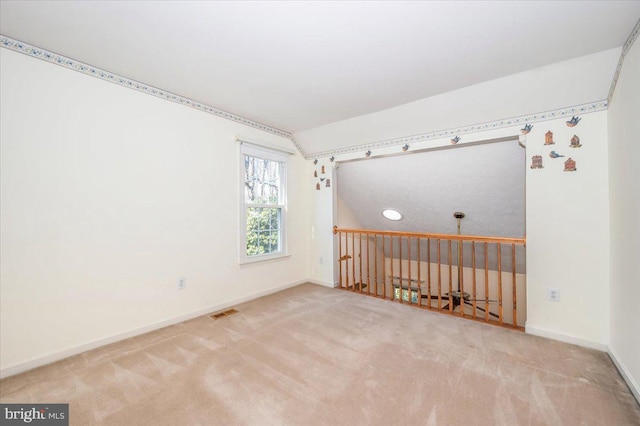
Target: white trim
{"x":561,"y":337}
{"x":626,"y":375}
{"x":57,"y":356}
{"x":259,"y":151}
{"x":324,"y":283}
{"x":283,"y":149}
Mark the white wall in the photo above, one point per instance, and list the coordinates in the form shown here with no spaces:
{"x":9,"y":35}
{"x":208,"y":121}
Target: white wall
{"x":624,"y":169}
{"x":322,"y":211}
{"x":568,"y":233}
{"x":567,"y":229}
{"x":108,"y":197}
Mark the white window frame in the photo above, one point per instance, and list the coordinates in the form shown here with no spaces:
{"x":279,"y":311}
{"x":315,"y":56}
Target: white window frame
{"x":272,"y":155}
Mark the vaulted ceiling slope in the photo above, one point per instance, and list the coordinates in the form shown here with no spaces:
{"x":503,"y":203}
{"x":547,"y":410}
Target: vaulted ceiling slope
{"x":298,"y":66}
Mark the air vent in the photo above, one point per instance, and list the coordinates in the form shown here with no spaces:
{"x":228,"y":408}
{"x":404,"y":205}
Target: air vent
{"x":224,"y":314}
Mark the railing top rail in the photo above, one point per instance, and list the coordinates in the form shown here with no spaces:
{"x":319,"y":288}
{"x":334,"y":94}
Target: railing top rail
{"x":477,"y":238}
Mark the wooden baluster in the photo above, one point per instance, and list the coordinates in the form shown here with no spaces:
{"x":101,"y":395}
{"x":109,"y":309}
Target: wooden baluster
{"x":486,"y":281}
{"x":368,"y":268}
{"x":473,"y":265}
{"x":409,"y":270}
{"x":419,"y":278}
{"x":340,"y":258}
{"x":461,"y":275}
{"x":353,"y":261}
{"x":360,"y":261}
{"x":449,"y":251}
{"x":375,"y":265}
{"x":429,"y":272}
{"x":391,"y":264}
{"x":384,"y":272}
{"x":513,"y":282}
{"x":500,"y":283}
{"x":439,"y":279}
{"x":400,"y":264}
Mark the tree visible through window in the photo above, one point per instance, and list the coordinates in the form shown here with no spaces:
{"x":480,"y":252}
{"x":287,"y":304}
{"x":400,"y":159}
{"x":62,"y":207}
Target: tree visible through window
{"x":264,"y":201}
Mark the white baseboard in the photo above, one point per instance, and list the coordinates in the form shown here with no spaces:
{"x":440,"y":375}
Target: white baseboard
{"x":626,"y":375}
{"x":554,"y":335}
{"x":323,"y":283}
{"x":51,"y":358}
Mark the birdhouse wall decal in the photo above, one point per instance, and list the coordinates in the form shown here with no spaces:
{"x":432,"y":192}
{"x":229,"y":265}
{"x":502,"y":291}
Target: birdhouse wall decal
{"x":548,"y":138}
{"x":322,"y":170}
{"x":318,"y":186}
{"x":328,"y":183}
{"x":536,"y":162}
{"x":570,"y":165}
{"x":575,"y":142}
{"x":315,"y":173}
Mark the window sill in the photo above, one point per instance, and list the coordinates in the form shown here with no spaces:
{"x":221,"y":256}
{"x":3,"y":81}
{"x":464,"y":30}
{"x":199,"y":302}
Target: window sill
{"x":264,"y":258}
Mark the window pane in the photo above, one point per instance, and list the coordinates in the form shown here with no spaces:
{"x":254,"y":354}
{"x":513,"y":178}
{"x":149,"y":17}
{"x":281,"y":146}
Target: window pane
{"x":262,"y":180}
{"x":263,"y":230}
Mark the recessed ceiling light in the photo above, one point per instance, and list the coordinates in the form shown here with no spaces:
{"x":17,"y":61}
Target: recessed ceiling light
{"x":392,"y":214}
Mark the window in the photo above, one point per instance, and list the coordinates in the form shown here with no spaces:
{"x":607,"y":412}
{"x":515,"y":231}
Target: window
{"x":263,"y":195}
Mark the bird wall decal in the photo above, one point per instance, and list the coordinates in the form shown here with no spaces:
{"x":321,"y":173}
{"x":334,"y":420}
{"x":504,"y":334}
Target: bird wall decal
{"x":554,"y":154}
{"x":574,"y":121}
{"x":455,"y":140}
{"x":526,"y":129}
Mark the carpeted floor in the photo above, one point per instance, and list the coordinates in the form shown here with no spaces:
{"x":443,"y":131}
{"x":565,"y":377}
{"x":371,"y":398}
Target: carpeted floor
{"x":314,"y":355}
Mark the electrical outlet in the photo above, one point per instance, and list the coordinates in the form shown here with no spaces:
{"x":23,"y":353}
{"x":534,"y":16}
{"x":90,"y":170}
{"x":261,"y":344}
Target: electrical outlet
{"x":182,"y":283}
{"x":553,"y":294}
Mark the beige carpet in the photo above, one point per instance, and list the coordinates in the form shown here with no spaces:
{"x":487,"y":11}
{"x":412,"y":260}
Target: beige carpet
{"x":313,"y":355}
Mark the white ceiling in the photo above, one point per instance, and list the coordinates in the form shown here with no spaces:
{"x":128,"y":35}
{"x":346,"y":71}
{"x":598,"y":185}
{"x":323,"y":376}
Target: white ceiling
{"x":299,"y":65}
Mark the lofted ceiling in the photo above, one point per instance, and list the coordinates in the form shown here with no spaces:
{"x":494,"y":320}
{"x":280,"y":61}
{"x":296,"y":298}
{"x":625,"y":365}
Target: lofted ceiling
{"x":485,"y":181}
{"x":297,"y":66}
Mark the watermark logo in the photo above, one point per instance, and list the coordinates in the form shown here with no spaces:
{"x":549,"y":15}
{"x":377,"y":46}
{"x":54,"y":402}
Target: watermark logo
{"x":34,"y":414}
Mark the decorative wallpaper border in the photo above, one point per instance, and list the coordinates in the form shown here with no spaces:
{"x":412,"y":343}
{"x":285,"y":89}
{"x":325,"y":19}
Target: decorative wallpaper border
{"x":509,"y":122}
{"x":45,"y":55}
{"x":29,"y":50}
{"x":625,"y":49}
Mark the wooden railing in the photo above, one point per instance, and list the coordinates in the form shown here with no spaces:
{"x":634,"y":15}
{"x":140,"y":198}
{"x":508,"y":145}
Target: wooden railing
{"x":477,"y":277}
